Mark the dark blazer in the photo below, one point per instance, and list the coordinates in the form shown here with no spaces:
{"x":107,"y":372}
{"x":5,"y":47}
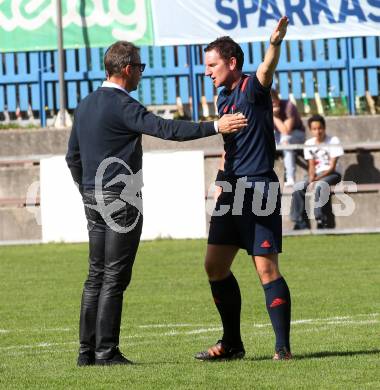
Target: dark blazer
{"x":110,"y":123}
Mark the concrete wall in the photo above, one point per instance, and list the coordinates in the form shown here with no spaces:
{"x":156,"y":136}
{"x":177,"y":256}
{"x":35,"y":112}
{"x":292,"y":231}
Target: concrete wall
{"x":53,"y":141}
{"x":366,"y":212}
{"x":19,"y":224}
{"x":15,"y":180}
{"x":362,"y":168}
{"x":33,"y":141}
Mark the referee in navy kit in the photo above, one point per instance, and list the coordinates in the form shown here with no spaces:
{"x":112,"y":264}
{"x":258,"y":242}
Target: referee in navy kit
{"x":249,"y":159}
{"x":108,"y":126}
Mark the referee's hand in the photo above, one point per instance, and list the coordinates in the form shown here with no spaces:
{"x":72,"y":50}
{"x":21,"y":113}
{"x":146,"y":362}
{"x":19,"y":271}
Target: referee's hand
{"x":280,"y":31}
{"x":229,"y":123}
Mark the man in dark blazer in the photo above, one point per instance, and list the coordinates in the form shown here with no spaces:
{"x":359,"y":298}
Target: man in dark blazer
{"x":105,"y":159}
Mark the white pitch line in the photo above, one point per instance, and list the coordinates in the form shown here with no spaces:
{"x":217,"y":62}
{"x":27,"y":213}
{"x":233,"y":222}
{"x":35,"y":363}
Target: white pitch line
{"x":215,"y":329}
{"x":45,"y":347}
{"x":346,"y":320}
{"x":57,"y":350}
{"x":318,"y":321}
{"x":38,"y":345}
{"x":36,"y":330}
{"x":195,"y":331}
{"x":185,"y":325}
{"x":327,"y":327}
{"x":41,"y":351}
{"x":170,"y":325}
{"x":294,"y":322}
{"x":349,"y":322}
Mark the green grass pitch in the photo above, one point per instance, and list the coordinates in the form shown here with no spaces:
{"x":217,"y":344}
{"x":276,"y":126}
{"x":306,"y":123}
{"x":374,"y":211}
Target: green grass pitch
{"x":169,"y":316}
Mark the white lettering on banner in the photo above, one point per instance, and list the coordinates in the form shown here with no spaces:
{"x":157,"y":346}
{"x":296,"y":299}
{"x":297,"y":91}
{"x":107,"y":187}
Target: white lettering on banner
{"x":29,"y":23}
{"x":33,"y":6}
{"x":254,"y":20}
{"x":236,"y":12}
{"x":25,"y":15}
{"x":137,"y":17}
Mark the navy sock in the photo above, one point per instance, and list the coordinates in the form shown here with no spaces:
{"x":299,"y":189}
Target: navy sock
{"x":277,"y":297}
{"x":226,"y":294}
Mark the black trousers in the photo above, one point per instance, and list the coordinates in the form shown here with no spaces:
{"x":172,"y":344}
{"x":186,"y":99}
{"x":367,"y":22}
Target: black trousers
{"x":112,"y":253}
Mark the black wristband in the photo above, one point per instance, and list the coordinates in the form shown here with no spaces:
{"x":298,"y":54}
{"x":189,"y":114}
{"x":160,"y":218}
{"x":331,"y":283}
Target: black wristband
{"x":276,"y":44}
{"x":220,"y":176}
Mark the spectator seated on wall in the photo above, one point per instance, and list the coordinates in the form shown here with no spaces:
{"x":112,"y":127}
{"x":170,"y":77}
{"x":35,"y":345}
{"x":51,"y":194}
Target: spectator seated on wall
{"x":322,"y":153}
{"x":289,"y":129}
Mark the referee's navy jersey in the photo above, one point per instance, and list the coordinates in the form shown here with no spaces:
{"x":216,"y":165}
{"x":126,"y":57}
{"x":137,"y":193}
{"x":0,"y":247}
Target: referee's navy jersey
{"x":250,"y":151}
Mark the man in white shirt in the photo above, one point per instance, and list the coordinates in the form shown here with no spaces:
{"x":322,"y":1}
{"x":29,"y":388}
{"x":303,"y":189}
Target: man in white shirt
{"x":322,"y":153}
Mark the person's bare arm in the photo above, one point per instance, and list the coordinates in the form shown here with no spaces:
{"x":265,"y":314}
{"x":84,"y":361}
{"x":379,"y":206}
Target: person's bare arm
{"x":230,"y":123}
{"x":332,"y":168}
{"x":311,"y":170}
{"x":218,"y":189}
{"x":221,"y":162}
{"x":266,"y":69}
{"x":284,"y":127}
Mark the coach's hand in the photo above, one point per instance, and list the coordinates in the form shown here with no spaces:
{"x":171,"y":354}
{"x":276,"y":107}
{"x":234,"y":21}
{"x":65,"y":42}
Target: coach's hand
{"x":229,"y":123}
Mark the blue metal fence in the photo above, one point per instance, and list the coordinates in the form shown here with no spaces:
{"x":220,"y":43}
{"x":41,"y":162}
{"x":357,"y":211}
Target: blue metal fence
{"x":332,"y":67}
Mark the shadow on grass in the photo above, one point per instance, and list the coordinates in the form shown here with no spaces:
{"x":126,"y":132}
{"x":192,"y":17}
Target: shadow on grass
{"x":323,"y":354}
{"x":314,"y":355}
{"x":135,"y":364}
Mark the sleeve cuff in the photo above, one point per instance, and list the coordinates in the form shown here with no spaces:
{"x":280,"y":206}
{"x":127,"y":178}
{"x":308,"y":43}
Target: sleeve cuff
{"x":216,"y":127}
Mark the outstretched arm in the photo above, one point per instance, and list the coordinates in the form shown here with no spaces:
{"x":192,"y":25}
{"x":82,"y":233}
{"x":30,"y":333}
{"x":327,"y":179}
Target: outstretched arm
{"x":138,"y":119}
{"x":266,"y":69}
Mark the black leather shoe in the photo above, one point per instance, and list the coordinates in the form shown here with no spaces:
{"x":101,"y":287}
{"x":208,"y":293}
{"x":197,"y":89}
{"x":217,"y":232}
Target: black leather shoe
{"x":86,"y":359}
{"x":117,"y":358}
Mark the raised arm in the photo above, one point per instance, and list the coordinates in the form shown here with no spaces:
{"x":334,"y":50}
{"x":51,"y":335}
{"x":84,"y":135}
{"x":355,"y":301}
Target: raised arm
{"x":266,"y":69}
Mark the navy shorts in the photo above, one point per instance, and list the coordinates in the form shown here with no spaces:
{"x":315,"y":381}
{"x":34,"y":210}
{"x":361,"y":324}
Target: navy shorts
{"x":249,"y":215}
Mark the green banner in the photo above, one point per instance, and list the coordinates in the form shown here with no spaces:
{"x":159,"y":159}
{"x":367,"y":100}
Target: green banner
{"x":27,"y":25}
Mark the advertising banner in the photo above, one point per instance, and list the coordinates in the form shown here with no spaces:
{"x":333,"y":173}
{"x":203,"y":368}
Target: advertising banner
{"x":27,"y":25}
{"x":178,"y":22}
